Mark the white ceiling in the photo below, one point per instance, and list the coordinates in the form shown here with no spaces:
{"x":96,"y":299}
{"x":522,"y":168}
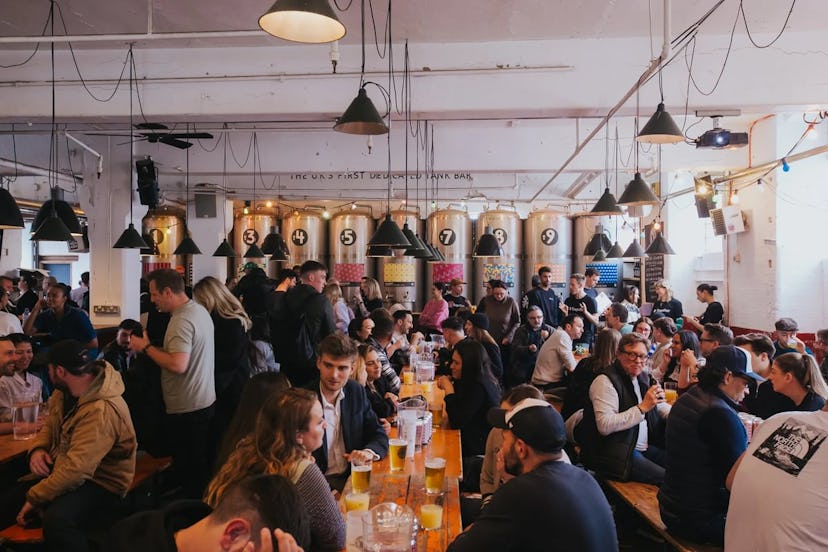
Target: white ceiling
{"x":511,"y":87}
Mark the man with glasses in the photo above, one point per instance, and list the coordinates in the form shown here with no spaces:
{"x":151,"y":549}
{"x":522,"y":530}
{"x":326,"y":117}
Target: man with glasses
{"x":704,"y":439}
{"x":623,"y":426}
{"x":714,"y":336}
{"x":786,"y":340}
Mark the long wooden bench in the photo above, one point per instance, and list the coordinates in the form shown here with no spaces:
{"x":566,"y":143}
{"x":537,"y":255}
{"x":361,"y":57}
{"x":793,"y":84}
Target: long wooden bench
{"x":146,"y":468}
{"x":644,"y":500}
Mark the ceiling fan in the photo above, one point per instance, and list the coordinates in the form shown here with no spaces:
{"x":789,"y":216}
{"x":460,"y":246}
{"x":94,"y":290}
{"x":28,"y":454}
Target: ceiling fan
{"x":157,"y":132}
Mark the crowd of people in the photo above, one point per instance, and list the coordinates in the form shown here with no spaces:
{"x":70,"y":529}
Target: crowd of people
{"x":277,"y":386}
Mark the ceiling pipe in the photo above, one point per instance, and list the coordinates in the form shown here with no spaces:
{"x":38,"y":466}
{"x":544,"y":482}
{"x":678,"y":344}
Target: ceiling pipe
{"x":23,"y":169}
{"x":654,"y":67}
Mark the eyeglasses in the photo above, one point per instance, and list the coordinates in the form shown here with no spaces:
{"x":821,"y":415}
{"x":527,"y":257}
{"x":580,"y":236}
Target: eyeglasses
{"x":706,"y":339}
{"x":634,"y":356}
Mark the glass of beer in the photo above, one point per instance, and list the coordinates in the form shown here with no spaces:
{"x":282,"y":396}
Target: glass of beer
{"x":357,"y":502}
{"x":435,"y":469}
{"x":436,"y":409}
{"x":431,"y":512}
{"x":670,"y":392}
{"x":361,"y":475}
{"x":396,"y":453}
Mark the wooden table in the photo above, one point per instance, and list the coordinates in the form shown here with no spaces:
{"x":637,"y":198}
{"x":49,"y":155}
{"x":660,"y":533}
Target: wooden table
{"x":408,"y":487}
{"x":11,"y":449}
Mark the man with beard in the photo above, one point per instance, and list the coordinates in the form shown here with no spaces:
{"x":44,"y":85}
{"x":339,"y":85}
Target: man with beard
{"x":549,"y":505}
{"x":8,"y":359}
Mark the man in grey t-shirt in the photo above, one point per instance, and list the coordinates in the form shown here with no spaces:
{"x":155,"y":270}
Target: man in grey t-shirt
{"x":187,"y":364}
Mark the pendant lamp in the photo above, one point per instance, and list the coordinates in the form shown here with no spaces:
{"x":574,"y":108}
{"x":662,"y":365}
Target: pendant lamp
{"x":605,"y":206}
{"x":130,"y":238}
{"x":638,"y":192}
{"x":416,"y":246}
{"x":61,"y":209}
{"x":308,"y":21}
{"x":436,"y":255}
{"x":635,"y":250}
{"x":187,"y":245}
{"x":598,"y":241}
{"x":487,"y":245}
{"x":254,"y":252}
{"x":615,"y":251}
{"x":389,"y":234}
{"x":53,"y":229}
{"x":274,"y":245}
{"x":660,"y":129}
{"x":659,"y":246}
{"x":426,"y":253}
{"x":10,"y":216}
{"x":224,"y":250}
{"x":600,"y":256}
{"x":379,"y":251}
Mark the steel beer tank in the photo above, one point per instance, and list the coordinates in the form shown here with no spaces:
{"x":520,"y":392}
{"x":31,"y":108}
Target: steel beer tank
{"x":547,"y":241}
{"x":398,"y":275}
{"x":507,"y":229}
{"x":163,"y":229}
{"x":304,"y":231}
{"x":250,"y":229}
{"x":348,"y":235}
{"x":450,"y":231}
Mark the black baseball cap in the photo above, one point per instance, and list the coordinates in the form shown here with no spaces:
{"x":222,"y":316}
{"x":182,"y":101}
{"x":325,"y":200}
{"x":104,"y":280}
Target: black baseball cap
{"x":68,"y":353}
{"x":534,"y":421}
{"x":734,"y":360}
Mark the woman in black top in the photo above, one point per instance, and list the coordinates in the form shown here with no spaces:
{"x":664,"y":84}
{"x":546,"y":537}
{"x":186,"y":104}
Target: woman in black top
{"x":28,"y":296}
{"x":477,"y":328}
{"x":666,"y":305}
{"x":587,"y":369}
{"x":685,"y":340}
{"x":369,"y":298}
{"x":713,"y":314}
{"x":797,"y":377}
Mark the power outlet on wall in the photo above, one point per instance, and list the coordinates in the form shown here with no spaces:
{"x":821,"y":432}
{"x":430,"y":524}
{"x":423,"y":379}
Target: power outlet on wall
{"x":111,"y":310}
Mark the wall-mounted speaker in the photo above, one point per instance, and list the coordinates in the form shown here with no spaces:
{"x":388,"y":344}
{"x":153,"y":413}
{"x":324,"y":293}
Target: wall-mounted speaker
{"x":205,"y":205}
{"x":148,"y":193}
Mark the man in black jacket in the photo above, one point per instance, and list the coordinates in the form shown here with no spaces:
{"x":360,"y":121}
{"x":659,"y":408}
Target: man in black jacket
{"x":549,"y":505}
{"x":305,"y":319}
{"x":353,"y":430}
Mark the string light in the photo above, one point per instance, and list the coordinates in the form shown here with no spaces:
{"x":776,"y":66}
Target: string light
{"x":734,"y":197}
{"x":326,"y":214}
{"x":657,"y":224}
{"x":268,"y":203}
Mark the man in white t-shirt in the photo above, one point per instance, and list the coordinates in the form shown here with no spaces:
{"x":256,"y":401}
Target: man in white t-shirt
{"x":9,"y":323}
{"x":779,"y":487}
{"x":555,"y":358}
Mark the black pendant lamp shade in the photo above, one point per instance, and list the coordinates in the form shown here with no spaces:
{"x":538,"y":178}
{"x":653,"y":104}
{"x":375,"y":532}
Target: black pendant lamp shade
{"x":598,"y":241}
{"x":660,"y":129}
{"x":487,"y":245}
{"x":660,"y":246}
{"x":389,"y":234}
{"x":416,"y":247}
{"x":130,"y":239}
{"x":308,"y":21}
{"x":638,"y":192}
{"x":53,"y":229}
{"x":436,"y":255}
{"x":187,"y":247}
{"x":274,"y":246}
{"x":605,"y":206}
{"x":62,"y":210}
{"x":600,"y":256}
{"x":253,"y":252}
{"x":426,"y":252}
{"x":379,"y":251}
{"x":615,"y":251}
{"x":10,"y":216}
{"x":635,"y":250}
{"x":361,"y":117}
{"x":224,"y":250}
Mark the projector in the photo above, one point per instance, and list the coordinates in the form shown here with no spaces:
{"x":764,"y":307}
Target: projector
{"x":720,"y":138}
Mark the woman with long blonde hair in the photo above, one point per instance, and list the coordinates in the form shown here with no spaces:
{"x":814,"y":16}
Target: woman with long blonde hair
{"x":232,"y":347}
{"x":342,"y":313}
{"x":288,"y":429}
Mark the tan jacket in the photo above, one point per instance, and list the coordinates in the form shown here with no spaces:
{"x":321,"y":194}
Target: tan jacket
{"x":95,"y":441}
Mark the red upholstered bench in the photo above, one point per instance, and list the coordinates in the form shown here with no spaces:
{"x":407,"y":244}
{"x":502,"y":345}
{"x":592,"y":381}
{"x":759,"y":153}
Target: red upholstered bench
{"x":146,"y":467}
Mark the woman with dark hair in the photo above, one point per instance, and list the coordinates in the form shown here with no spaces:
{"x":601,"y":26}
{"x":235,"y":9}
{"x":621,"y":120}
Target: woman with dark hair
{"x":631,"y":296}
{"x":713,"y":313}
{"x":257,"y":390}
{"x":577,"y":391}
{"x":644,"y":327}
{"x":288,"y":429}
{"x":28,"y":294}
{"x":368,"y":373}
{"x":470,"y":392}
{"x":477,"y":328}
{"x":677,"y":363}
{"x":797,"y":377}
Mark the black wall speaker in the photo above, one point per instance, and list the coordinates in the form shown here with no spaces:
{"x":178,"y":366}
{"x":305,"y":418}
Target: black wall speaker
{"x":205,"y":205}
{"x":147,"y":182}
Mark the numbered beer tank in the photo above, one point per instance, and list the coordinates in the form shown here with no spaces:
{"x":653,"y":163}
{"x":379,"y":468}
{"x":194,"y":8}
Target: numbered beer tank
{"x":398,"y":275}
{"x":251,"y":229}
{"x":450,"y":231}
{"x":348,"y":235}
{"x":163,"y":229}
{"x":547,"y":239}
{"x":506,"y":227}
{"x":305,"y":234}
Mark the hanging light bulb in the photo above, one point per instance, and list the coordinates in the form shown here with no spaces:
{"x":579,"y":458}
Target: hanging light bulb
{"x":734,"y":197}
{"x":657,"y":224}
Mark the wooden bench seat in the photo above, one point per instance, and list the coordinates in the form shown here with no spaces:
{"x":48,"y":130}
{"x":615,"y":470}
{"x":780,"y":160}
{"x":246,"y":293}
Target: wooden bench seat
{"x":146,"y":467}
{"x":644,"y":500}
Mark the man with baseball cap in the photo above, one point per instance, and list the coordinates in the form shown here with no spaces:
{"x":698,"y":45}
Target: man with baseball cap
{"x":704,"y":439}
{"x":85,"y":453}
{"x":549,"y":505}
{"x":454,"y":297}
